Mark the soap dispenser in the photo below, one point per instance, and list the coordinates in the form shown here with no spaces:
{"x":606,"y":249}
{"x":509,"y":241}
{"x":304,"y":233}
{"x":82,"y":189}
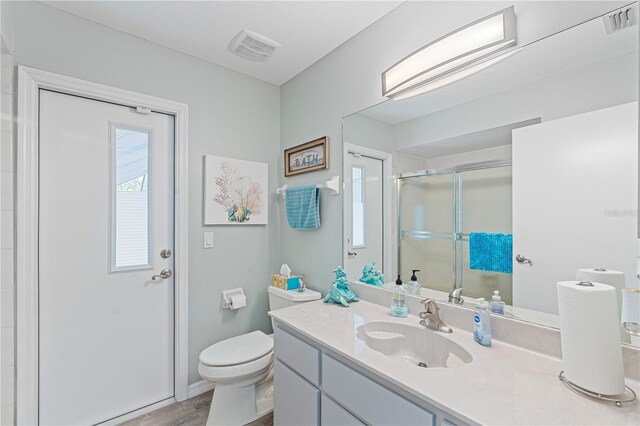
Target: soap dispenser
{"x":482,"y":323}
{"x":399,"y":300}
{"x":414,"y":287}
{"x":497,"y":305}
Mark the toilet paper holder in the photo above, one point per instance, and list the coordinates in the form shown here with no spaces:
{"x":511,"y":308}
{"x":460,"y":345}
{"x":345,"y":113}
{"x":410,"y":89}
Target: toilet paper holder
{"x":228,"y":294}
{"x":611,"y":398}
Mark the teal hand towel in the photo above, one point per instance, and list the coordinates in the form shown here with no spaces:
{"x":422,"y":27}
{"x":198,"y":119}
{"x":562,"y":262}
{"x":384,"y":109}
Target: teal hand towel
{"x":303,"y":207}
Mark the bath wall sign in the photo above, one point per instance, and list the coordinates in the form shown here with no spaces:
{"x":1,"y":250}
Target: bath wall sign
{"x":307,"y":157}
{"x":235,"y":191}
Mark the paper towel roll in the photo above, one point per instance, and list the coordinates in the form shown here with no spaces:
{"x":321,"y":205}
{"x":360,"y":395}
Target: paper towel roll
{"x":590,"y":337}
{"x":601,"y":275}
{"x":238,"y":301}
{"x":604,"y":276}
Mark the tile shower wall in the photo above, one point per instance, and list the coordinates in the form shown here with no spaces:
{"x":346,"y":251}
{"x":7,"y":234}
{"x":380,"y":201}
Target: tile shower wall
{"x":7,"y":328}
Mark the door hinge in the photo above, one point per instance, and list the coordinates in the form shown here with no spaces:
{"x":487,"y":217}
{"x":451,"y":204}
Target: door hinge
{"x":143,"y":110}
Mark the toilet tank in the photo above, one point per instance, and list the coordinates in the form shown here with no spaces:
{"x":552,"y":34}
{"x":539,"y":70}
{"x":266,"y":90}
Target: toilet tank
{"x":279,"y":298}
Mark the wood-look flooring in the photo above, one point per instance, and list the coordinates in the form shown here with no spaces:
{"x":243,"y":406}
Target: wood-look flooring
{"x":192,"y":412}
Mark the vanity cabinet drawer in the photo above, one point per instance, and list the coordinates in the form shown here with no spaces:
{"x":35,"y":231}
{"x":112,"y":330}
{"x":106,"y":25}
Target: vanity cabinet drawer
{"x":332,"y":414}
{"x":370,"y":401}
{"x":296,"y":401}
{"x":300,"y":356}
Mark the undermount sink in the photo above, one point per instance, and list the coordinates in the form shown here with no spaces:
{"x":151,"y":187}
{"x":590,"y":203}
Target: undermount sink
{"x":415,"y":345}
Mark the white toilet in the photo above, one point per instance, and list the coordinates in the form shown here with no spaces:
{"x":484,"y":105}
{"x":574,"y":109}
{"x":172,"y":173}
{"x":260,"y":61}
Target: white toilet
{"x":242,"y":368}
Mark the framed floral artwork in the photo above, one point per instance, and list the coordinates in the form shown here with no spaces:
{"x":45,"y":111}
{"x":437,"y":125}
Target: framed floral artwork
{"x":235,"y":191}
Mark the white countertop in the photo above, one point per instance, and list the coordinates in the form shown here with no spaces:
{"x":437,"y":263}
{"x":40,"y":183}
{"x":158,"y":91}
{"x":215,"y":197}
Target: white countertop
{"x":503,"y":385}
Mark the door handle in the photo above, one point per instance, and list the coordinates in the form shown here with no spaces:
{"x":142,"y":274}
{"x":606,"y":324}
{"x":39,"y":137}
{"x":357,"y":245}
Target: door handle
{"x":351,"y":253}
{"x":521,"y":259}
{"x":164,"y":274}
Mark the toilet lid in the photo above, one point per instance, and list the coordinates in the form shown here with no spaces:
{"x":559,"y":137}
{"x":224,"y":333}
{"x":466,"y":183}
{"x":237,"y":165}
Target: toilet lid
{"x":294,"y":295}
{"x":237,"y":350}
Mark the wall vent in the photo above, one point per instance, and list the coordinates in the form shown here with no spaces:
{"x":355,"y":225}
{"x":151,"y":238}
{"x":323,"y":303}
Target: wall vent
{"x":253,"y":46}
{"x":620,"y":19}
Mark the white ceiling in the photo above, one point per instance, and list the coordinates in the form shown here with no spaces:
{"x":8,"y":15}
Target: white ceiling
{"x":307,"y":30}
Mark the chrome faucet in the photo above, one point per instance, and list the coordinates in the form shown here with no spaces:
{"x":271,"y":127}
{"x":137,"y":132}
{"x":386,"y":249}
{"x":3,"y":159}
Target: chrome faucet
{"x":431,"y":317}
{"x":456,"y":296}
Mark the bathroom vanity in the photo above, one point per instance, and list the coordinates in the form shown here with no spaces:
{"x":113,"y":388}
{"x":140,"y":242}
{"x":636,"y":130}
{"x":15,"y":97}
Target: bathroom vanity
{"x":315,"y":386}
{"x":329,"y":370}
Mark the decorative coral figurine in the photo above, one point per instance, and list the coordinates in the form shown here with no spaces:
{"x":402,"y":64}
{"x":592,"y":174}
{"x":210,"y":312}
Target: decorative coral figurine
{"x":340,"y":291}
{"x":371,"y":276}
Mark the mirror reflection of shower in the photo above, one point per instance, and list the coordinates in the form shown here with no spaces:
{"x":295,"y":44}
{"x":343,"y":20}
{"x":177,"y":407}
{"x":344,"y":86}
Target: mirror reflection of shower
{"x":438,"y":210}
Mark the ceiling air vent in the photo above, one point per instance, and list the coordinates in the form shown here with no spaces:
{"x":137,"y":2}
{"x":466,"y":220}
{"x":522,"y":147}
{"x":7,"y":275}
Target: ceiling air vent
{"x":253,"y":46}
{"x":620,"y":19}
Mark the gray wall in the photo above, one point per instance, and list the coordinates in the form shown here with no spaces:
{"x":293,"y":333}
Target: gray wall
{"x":348,"y":80}
{"x":361,"y":130}
{"x":219,"y":101}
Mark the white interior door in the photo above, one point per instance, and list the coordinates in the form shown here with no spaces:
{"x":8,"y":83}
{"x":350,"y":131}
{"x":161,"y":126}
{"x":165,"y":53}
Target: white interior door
{"x":364,"y":212}
{"x":574,"y":201}
{"x":106,"y":329}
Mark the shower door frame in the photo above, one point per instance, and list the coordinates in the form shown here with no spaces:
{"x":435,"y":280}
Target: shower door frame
{"x":456,"y":199}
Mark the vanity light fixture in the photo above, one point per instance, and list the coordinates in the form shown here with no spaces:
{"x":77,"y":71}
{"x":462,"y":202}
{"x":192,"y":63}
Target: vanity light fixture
{"x":455,"y":56}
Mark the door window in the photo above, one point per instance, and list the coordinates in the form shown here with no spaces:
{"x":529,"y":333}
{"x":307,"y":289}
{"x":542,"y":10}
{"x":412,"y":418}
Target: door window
{"x":357,"y":210}
{"x":130,"y":216}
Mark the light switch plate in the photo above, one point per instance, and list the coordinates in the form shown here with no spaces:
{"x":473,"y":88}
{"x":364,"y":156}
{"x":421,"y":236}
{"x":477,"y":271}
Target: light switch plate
{"x":208,"y":240}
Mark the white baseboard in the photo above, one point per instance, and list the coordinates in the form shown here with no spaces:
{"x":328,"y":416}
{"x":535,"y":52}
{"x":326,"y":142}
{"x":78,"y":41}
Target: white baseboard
{"x":198,"y":388}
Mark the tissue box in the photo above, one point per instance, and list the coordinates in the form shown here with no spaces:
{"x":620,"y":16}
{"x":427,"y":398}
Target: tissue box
{"x":285,"y":283}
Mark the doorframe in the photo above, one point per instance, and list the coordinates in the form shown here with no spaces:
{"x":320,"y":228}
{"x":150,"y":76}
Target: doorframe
{"x":387,"y":191}
{"x":30,"y":82}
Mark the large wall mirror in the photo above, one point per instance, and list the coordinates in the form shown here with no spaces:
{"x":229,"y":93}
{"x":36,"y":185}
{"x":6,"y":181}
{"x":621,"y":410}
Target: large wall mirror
{"x":539,"y":151}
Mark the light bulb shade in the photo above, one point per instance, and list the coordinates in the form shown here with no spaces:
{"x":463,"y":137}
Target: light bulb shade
{"x":453,"y":77}
{"x":451,"y":53}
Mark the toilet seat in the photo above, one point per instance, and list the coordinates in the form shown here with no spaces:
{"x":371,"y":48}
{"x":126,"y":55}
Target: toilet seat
{"x":237,"y":350}
{"x":236,"y":372}
{"x":242,"y":357}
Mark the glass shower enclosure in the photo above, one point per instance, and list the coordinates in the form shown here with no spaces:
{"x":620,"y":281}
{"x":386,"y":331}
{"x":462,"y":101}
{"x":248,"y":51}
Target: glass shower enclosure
{"x":437,"y":210}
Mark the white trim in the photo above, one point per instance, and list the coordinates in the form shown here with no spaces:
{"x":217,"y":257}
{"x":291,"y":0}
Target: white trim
{"x":144,"y":410}
{"x":30,"y":81}
{"x":27,"y":252}
{"x":199,"y":388}
{"x":387,"y":191}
